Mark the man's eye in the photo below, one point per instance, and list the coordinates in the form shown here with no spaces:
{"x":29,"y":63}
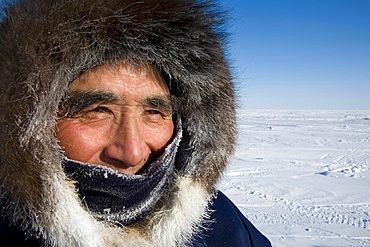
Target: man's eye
{"x":153,"y":112}
{"x":100,"y":109}
{"x":97,"y":113}
{"x":155,"y":116}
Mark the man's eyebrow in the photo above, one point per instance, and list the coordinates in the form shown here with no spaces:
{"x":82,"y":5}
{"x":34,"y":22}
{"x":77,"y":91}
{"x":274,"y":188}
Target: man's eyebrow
{"x":78,"y":100}
{"x":162,"y":103}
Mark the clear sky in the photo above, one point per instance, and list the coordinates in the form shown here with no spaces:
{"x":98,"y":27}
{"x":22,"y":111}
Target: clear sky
{"x":301,"y":54}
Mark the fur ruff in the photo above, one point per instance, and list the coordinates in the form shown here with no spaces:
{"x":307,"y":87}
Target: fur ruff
{"x":45,"y":45}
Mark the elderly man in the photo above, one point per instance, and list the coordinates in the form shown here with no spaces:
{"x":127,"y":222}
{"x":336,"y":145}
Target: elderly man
{"x":117,"y":120}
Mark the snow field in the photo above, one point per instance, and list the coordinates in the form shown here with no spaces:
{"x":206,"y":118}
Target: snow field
{"x":303,"y":177}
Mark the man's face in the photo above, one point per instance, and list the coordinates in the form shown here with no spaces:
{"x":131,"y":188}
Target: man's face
{"x":116,"y":116}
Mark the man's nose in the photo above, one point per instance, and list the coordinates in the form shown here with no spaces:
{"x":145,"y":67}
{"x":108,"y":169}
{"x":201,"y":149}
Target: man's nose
{"x":126,"y":150}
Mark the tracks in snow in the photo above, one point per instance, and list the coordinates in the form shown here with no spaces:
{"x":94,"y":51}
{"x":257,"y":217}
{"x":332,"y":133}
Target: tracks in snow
{"x":292,"y":213}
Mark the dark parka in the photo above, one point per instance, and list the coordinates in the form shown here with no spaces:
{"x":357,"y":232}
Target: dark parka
{"x":44,"y":46}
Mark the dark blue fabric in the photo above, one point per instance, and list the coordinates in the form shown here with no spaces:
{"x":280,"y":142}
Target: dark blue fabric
{"x":13,"y":236}
{"x":229,"y":228}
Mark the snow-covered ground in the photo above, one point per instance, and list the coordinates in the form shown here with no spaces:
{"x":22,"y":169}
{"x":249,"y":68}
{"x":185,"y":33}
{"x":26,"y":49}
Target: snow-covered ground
{"x":303,"y":177}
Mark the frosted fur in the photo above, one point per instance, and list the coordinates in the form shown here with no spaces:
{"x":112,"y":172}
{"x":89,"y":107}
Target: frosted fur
{"x":184,"y":218}
{"x":76,"y":227}
{"x":45,"y":45}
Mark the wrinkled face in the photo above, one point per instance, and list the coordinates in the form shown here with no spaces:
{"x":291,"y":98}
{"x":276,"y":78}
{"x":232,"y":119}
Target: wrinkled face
{"x":116,"y":116}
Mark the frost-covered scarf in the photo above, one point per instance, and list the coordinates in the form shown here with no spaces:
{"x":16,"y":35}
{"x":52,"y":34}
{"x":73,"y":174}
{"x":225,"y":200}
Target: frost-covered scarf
{"x":123,"y":198}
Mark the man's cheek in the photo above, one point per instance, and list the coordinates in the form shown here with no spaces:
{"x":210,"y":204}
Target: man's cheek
{"x":78,"y":140}
{"x":81,"y":147}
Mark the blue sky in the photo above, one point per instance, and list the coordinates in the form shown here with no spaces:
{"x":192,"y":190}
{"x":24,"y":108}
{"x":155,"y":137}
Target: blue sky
{"x":301,"y":54}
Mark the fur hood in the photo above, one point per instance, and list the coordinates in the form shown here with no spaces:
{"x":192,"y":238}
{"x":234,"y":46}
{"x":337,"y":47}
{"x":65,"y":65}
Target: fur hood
{"x":45,"y":45}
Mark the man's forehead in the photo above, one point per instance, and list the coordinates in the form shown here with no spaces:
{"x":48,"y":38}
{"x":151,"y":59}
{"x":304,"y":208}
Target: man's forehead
{"x":103,"y":76}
